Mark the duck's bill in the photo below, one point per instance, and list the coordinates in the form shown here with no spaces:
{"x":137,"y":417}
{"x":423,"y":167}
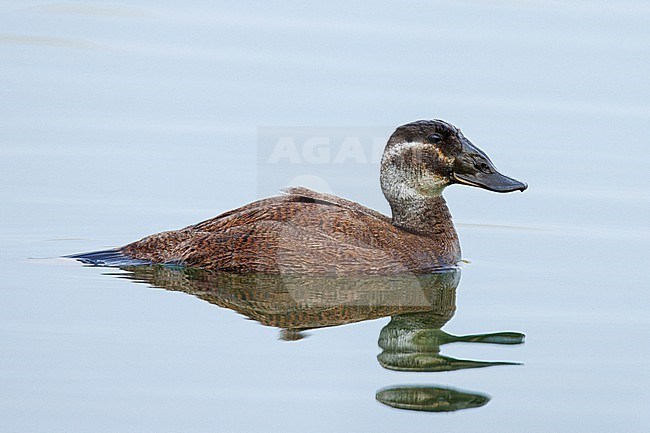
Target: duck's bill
{"x":491,"y":181}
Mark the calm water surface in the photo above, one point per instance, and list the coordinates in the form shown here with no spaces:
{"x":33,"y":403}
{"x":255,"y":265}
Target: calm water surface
{"x":126,"y":118}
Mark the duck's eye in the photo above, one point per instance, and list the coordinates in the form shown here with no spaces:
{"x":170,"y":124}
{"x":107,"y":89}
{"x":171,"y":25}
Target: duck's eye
{"x":483,"y":167}
{"x":434,"y":138}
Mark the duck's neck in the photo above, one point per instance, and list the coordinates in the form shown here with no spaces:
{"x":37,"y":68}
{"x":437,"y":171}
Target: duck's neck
{"x":426,"y":215}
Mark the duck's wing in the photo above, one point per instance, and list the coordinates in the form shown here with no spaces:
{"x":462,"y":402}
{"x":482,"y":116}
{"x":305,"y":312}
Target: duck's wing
{"x":296,"y":205}
{"x":298,"y":245}
{"x":300,"y":209}
{"x":334,"y":200}
{"x":300,"y":231}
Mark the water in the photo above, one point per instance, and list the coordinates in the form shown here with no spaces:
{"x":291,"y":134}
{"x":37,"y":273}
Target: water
{"x":120,"y":120}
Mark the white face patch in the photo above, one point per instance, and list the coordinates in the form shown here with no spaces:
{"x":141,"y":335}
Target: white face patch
{"x":398,"y":183}
{"x":400,"y":148}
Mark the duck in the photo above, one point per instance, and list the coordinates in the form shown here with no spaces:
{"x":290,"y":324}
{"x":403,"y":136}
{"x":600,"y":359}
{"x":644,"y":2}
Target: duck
{"x":307,"y":232}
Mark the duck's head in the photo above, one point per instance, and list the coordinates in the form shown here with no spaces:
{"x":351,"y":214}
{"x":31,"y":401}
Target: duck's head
{"x":423,"y":157}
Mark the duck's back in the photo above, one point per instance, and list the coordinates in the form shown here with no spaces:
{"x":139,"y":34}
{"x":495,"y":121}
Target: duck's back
{"x":300,"y":232}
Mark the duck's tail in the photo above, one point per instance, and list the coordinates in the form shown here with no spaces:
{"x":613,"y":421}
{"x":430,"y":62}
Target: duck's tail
{"x":110,"y":258}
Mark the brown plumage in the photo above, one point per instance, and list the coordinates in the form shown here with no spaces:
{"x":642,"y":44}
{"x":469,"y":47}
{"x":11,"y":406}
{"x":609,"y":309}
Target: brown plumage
{"x":304,"y":232}
{"x":307,"y":232}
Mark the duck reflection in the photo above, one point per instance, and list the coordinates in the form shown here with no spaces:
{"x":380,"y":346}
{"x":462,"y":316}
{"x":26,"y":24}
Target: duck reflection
{"x":297,"y":303}
{"x":419,"y":306}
